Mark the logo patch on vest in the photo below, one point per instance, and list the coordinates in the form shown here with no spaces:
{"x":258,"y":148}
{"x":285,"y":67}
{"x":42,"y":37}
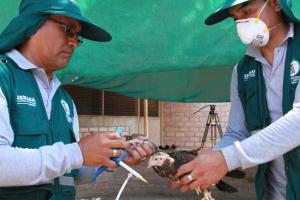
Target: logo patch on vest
{"x":295,"y":67}
{"x":249,"y":75}
{"x":67,"y":110}
{"x":25,"y":100}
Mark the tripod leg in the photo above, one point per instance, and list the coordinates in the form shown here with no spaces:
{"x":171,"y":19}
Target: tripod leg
{"x":219,"y":126}
{"x":208,"y":121}
{"x":213,"y":131}
{"x":212,"y":127}
{"x":215,"y":135}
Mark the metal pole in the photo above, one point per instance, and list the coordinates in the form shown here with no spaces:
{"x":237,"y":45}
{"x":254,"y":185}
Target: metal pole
{"x":146,"y":119}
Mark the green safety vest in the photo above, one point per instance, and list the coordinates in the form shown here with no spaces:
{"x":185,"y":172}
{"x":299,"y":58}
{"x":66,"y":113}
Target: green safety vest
{"x":32,"y":129}
{"x":252,"y":93}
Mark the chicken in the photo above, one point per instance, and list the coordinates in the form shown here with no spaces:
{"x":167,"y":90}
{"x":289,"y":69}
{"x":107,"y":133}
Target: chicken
{"x":167,"y":164}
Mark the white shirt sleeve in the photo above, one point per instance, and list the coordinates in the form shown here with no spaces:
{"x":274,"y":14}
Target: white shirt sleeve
{"x":86,"y":173}
{"x":236,"y":129}
{"x":75,"y":123}
{"x":268,"y":144}
{"x":20,"y":166}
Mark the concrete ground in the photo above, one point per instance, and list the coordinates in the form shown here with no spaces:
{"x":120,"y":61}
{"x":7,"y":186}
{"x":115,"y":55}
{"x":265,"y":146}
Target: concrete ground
{"x":108,"y":185}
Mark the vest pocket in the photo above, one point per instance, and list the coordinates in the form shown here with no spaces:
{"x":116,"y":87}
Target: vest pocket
{"x":249,"y":92}
{"x":295,"y":154}
{"x":30,"y":140}
{"x":251,"y":109}
{"x":36,"y":192}
{"x":67,"y":192}
{"x":29,"y":130}
{"x":292,"y":166}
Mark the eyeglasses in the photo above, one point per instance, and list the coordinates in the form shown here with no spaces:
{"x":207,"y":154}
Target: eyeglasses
{"x":70,"y":31}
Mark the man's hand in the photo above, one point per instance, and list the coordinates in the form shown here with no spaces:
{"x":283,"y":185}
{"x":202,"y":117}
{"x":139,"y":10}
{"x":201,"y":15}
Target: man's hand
{"x":205,"y":170}
{"x":98,"y":148}
{"x":139,"y":150}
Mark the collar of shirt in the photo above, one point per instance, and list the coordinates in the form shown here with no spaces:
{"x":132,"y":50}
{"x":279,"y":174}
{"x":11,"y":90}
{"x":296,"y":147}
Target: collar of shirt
{"x":255,"y":51}
{"x":25,"y":64}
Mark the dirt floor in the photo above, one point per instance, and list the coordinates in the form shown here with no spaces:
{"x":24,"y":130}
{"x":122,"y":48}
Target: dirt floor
{"x":108,"y":185}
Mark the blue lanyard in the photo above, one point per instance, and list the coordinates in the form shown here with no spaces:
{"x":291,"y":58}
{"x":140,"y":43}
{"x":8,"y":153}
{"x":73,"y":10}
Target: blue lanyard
{"x":117,"y":160}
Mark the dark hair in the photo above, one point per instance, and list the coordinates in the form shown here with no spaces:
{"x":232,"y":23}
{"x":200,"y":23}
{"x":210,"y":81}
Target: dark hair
{"x":284,"y":17}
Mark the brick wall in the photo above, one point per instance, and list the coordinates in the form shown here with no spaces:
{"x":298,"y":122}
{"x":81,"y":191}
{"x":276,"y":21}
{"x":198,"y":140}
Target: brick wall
{"x":107,"y":129}
{"x":131,"y":125}
{"x":185,"y":129}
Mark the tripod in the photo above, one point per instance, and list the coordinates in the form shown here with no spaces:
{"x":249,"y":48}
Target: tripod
{"x":212,"y":123}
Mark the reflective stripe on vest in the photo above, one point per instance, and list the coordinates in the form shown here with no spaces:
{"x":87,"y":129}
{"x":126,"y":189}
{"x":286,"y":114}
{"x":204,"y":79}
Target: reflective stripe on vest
{"x":66,"y":180}
{"x":63,"y":180}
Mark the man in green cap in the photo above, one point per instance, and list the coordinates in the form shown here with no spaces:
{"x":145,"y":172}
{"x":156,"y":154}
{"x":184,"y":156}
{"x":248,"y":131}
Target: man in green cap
{"x":264,"y":122}
{"x":40,"y":151}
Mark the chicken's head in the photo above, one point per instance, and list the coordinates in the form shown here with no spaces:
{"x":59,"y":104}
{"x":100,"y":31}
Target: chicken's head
{"x":158,"y":159}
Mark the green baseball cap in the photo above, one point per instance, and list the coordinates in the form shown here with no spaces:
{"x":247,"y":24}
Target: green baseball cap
{"x":222,"y":13}
{"x":32,"y":15}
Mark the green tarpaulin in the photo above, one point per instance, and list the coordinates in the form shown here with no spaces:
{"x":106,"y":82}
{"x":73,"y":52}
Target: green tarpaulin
{"x":161,"y":49}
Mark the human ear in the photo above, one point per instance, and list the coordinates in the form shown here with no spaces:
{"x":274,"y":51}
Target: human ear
{"x":275,"y":5}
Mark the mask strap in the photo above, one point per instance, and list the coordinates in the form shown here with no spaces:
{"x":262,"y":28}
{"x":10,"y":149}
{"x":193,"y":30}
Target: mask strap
{"x":258,"y":16}
{"x":274,"y":27}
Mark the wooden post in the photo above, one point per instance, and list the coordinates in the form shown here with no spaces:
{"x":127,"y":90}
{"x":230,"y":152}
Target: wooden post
{"x":139,"y":115}
{"x":102,"y":109}
{"x":146,"y":119}
{"x":161,"y":137}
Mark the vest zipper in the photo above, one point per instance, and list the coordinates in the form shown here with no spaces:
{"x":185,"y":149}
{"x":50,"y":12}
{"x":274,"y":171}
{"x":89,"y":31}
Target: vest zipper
{"x":50,"y":129}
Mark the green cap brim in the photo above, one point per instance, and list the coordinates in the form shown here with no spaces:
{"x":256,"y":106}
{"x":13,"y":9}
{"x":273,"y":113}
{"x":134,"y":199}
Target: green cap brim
{"x":89,"y":29}
{"x":222,"y":13}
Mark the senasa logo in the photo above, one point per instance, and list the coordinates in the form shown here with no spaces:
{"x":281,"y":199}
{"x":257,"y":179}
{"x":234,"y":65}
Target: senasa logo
{"x":249,"y":75}
{"x":25,"y":100}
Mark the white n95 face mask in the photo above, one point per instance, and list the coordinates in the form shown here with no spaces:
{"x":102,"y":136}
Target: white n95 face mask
{"x":254,"y":31}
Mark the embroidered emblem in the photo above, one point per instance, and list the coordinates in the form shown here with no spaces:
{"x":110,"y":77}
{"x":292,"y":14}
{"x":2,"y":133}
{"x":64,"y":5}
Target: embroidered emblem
{"x":25,"y":100}
{"x":249,"y":75}
{"x":294,"y":70}
{"x":295,"y":67}
{"x":67,"y":110}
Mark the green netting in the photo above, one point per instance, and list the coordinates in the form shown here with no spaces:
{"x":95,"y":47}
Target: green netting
{"x":161,"y":49}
